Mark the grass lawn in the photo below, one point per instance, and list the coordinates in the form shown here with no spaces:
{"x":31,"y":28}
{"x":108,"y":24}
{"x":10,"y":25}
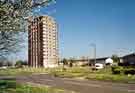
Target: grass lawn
{"x":10,"y":86}
{"x":87,"y":73}
{"x":74,"y":72}
{"x":22,"y":71}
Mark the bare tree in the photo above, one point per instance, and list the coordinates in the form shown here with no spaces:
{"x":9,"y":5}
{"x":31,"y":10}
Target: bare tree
{"x":13,"y":21}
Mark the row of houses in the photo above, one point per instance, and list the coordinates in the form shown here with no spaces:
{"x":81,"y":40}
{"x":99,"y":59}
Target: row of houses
{"x":125,"y":60}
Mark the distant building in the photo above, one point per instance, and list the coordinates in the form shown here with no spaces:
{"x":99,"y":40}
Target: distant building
{"x":42,"y":42}
{"x":128,"y":59}
{"x":109,"y":61}
{"x":99,"y":60}
{"x":124,"y":61}
{"x":91,"y":62}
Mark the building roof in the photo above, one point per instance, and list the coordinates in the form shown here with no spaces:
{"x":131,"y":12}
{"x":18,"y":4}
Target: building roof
{"x":103,"y":58}
{"x":133,"y":54}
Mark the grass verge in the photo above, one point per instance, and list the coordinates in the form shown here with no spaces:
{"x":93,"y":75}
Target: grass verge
{"x":10,"y":86}
{"x":74,"y":72}
{"x":87,"y":73}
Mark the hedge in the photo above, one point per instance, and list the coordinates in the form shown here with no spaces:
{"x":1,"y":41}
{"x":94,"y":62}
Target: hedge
{"x":123,"y":70}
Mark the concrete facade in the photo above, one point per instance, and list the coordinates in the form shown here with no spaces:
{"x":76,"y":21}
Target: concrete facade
{"x":43,"y":42}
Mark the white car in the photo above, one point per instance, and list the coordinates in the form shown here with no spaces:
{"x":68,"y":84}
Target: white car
{"x":3,"y":67}
{"x":99,"y":66}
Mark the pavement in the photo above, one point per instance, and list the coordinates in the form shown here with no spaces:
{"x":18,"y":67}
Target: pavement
{"x":77,"y":85}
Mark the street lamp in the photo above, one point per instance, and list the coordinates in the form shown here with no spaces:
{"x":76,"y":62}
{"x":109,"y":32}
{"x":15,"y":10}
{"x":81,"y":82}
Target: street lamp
{"x":94,"y":46}
{"x":61,"y":53}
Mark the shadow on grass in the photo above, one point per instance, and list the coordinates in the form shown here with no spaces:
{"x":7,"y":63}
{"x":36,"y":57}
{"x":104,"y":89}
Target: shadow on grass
{"x":10,"y":86}
{"x":7,"y":83}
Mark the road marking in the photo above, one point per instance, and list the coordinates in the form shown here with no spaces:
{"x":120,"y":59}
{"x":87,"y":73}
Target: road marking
{"x":76,"y":83}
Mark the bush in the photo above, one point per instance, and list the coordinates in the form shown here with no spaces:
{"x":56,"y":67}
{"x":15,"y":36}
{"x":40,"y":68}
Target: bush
{"x":19,"y":64}
{"x":117,"y":70}
{"x":10,"y":86}
{"x":123,"y":70}
{"x":129,"y":70}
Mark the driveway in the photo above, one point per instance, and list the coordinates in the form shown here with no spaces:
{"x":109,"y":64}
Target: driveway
{"x":77,"y":85}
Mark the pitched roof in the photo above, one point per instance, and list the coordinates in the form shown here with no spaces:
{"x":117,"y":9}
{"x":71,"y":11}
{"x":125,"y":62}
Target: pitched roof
{"x":133,"y":54}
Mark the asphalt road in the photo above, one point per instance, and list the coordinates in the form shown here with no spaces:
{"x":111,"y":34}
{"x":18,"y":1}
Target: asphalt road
{"x":79,"y":86}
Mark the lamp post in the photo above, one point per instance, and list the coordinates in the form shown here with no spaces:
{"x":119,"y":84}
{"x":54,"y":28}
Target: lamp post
{"x":62,"y":56}
{"x":94,"y":46}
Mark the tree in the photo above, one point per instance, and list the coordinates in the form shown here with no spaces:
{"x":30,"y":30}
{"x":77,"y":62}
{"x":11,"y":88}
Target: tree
{"x":1,"y":63}
{"x":115,"y":59}
{"x":64,"y":61}
{"x":71,"y":61}
{"x":5,"y":62}
{"x":8,"y":35}
{"x":25,"y":63}
{"x":19,"y":63}
{"x":13,"y":21}
{"x":8,"y":63}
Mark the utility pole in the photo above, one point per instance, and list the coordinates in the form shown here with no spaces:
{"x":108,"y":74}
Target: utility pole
{"x":94,"y":46}
{"x":62,"y":56}
{"x":95,"y":54}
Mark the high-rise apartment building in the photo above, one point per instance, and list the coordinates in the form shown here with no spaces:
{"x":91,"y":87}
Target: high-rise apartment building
{"x":42,"y":42}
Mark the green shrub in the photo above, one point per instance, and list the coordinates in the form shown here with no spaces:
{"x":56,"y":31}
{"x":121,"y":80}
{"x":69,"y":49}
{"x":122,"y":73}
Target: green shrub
{"x":19,"y":64}
{"x":123,"y":70}
{"x":129,"y":70}
{"x":117,"y":69}
{"x":10,"y":86}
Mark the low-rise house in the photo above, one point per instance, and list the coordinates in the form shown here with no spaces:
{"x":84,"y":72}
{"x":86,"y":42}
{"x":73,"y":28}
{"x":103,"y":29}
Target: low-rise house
{"x":125,"y":60}
{"x":98,"y":60}
{"x":89,"y":62}
{"x":81,"y":62}
{"x":109,"y":61}
{"x":128,"y":60}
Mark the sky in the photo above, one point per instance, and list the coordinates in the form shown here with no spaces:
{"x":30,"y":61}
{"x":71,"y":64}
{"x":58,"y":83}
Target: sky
{"x":109,"y":24}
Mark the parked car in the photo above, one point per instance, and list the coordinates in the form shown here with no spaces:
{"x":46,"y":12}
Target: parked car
{"x":3,"y":67}
{"x":99,"y":66}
